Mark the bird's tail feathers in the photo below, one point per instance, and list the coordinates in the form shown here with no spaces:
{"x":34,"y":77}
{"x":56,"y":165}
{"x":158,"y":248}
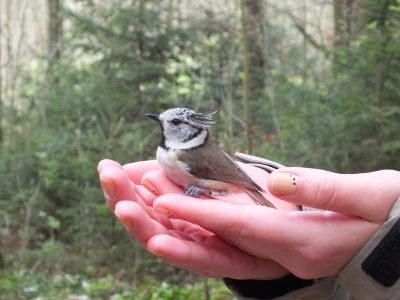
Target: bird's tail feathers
{"x":258,"y":198}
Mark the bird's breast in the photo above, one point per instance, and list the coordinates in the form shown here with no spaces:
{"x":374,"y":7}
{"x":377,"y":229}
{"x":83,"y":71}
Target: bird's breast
{"x":179,"y":172}
{"x":176,"y":170}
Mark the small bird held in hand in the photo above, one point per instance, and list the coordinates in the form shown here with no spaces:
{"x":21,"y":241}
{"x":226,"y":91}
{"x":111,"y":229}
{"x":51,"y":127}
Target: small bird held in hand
{"x":190,"y":159}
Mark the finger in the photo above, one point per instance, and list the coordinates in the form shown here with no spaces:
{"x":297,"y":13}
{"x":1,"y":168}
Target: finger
{"x":158,"y":183}
{"x":116,"y":185}
{"x":192,"y":230}
{"x":107,"y":163}
{"x":147,"y":196}
{"x":222,"y":217}
{"x":296,"y":240}
{"x":219,"y":262}
{"x":138,"y":223}
{"x":143,"y":226}
{"x":368,"y":195}
{"x":260,"y":177}
{"x":136,"y":170}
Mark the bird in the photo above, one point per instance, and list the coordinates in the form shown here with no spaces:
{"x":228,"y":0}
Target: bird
{"x":190,"y":159}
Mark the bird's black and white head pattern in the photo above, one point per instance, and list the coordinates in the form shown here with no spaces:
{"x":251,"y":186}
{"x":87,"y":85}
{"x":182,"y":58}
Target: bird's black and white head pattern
{"x":183,"y":128}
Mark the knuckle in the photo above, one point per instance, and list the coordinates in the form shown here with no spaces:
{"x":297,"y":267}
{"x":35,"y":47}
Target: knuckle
{"x":308,"y":268}
{"x":314,"y":261}
{"x":237,"y":230}
{"x":323,"y":190}
{"x":314,"y":256}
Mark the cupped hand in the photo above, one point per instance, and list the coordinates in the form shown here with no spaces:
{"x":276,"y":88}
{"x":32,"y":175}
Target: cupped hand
{"x":310,"y":244}
{"x":130,"y":191}
{"x":198,"y":234}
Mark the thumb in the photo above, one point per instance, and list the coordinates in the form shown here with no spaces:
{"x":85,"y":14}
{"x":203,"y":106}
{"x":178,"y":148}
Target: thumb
{"x":367,"y":195}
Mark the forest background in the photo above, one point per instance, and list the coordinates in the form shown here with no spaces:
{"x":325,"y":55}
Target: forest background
{"x":306,"y":83}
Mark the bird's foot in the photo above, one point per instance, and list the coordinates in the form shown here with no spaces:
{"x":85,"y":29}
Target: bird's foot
{"x":194,"y":191}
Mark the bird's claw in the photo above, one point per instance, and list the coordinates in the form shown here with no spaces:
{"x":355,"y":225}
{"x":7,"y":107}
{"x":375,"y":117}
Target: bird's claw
{"x":194,"y":191}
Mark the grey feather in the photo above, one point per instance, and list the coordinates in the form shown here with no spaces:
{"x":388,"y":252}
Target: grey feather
{"x":258,"y":198}
{"x":222,"y":167}
{"x":201,"y":120}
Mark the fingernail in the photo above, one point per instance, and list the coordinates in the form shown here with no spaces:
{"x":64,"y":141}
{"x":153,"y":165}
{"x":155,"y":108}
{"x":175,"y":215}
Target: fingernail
{"x":163,"y":211}
{"x":284,"y":183}
{"x":198,"y":237}
{"x":108,"y":187}
{"x":150,"y":187}
{"x":127,"y":222}
{"x":158,"y":253}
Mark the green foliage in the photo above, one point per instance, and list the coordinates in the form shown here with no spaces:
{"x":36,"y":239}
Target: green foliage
{"x":65,"y":286}
{"x":336,"y":109}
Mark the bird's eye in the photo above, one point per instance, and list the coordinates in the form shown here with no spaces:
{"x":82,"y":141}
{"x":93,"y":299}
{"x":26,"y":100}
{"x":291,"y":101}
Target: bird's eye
{"x":176,"y":122}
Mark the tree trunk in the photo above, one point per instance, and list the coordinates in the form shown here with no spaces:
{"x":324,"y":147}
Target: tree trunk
{"x":254,"y":32}
{"x":346,"y":27}
{"x":253,"y":62}
{"x":347,"y":24}
{"x":55,"y":30}
{"x":1,"y":84}
{"x":339,"y":23}
{"x":245,"y":77}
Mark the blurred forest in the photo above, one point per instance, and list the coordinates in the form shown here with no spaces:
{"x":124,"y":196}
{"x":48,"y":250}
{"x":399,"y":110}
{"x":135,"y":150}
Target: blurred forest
{"x":306,"y":83}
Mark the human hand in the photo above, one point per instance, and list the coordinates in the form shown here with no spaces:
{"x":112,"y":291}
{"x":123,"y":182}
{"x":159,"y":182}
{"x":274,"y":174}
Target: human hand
{"x":180,"y":243}
{"x":310,"y":244}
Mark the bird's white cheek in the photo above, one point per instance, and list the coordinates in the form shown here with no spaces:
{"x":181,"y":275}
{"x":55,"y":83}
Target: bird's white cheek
{"x":175,"y":142}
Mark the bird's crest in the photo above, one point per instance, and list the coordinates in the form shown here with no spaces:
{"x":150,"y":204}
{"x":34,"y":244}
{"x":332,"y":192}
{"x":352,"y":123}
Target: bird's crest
{"x":194,"y":118}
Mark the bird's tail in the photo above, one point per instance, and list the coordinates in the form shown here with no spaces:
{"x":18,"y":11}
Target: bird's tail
{"x":259,"y":198}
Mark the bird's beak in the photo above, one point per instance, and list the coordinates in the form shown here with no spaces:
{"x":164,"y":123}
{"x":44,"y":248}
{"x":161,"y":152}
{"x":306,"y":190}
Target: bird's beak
{"x":154,"y":117}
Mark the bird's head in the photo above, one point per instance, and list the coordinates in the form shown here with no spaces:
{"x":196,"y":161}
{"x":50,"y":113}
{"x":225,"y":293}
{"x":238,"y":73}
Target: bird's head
{"x":183,"y":128}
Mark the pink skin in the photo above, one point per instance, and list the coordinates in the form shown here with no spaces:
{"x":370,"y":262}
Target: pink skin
{"x":222,"y":239}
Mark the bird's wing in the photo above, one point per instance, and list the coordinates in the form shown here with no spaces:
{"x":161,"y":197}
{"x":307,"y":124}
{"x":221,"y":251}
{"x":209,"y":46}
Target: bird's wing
{"x":234,"y":174}
{"x":220,"y":167}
